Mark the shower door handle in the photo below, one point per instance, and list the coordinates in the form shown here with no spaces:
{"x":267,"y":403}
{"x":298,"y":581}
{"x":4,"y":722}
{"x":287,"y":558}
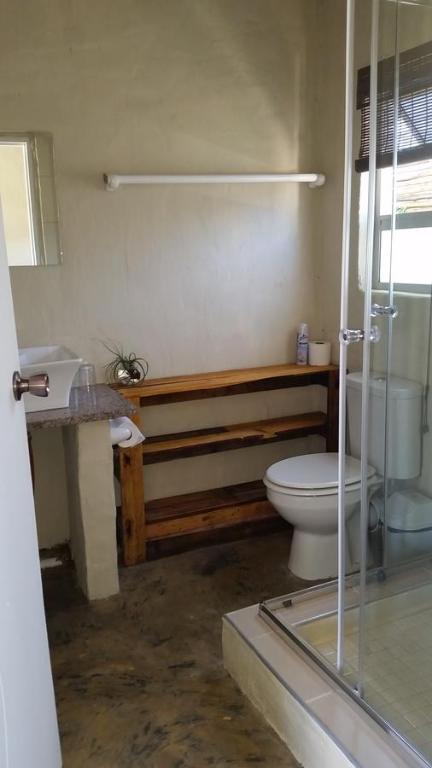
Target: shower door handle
{"x":377,"y":310}
{"x":353,"y":335}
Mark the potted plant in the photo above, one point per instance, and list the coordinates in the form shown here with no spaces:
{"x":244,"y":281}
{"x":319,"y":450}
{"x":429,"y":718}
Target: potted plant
{"x":125,"y":369}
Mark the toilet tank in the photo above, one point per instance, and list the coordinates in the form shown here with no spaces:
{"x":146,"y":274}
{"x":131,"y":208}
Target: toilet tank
{"x":405,"y":423}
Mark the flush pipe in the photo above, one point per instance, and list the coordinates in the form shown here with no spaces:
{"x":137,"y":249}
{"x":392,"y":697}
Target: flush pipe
{"x":346,"y":225}
{"x":425,"y":421}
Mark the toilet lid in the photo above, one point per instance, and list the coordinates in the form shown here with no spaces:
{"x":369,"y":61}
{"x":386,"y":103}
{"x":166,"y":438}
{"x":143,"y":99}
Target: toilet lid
{"x":316,"y":470}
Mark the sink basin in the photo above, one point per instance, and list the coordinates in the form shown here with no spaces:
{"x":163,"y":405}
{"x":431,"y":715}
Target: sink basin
{"x":60,"y":364}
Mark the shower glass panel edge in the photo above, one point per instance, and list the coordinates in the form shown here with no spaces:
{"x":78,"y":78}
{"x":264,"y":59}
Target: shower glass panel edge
{"x":345,"y":265}
{"x":367,"y":325}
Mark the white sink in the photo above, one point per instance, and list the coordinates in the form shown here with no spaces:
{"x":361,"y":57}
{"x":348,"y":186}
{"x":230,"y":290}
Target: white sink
{"x":60,"y":364}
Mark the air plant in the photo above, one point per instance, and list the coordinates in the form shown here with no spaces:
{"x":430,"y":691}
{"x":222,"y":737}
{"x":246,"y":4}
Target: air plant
{"x":126,"y":369}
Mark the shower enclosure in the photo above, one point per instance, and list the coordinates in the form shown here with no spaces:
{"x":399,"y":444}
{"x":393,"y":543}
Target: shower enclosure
{"x":371,"y":630}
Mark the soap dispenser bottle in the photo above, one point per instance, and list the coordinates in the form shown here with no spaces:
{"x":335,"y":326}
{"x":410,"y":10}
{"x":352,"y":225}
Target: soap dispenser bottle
{"x":302,"y":344}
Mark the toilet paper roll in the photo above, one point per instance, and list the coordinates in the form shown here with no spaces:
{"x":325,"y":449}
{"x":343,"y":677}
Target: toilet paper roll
{"x":319,"y":352}
{"x":125,"y":433}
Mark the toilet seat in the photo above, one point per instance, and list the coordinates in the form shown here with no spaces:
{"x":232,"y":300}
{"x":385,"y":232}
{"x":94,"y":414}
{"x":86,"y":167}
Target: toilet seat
{"x":313,"y":475}
{"x":285,"y":490}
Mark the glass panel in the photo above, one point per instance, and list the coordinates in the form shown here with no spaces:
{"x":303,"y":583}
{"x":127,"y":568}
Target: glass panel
{"x":395,"y":633}
{"x":372,"y":629}
{"x":367,"y":416}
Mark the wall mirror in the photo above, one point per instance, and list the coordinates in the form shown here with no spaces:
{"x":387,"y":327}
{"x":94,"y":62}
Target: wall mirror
{"x":28,"y":199}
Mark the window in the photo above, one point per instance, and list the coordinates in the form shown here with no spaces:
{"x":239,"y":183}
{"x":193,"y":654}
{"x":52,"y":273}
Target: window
{"x":408,"y":261}
{"x":405,"y":257}
{"x":414,"y":107}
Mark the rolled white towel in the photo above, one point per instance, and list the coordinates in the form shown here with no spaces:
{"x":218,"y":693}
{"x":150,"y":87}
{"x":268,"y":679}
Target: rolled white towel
{"x":125,"y":433}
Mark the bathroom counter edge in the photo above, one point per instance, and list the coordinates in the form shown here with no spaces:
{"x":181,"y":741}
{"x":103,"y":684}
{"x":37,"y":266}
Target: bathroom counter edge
{"x":99,"y":403}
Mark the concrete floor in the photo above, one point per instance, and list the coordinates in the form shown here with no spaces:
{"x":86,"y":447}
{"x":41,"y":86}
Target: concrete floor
{"x":139,"y":678}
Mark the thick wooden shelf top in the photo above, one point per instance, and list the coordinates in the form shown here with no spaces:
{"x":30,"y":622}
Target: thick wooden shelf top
{"x":204,"y":441}
{"x":217,"y":383}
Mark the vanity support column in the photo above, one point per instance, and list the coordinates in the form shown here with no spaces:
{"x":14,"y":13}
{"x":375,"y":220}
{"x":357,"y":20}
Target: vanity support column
{"x":332,"y":411}
{"x":132,"y":485}
{"x":92,"y":510}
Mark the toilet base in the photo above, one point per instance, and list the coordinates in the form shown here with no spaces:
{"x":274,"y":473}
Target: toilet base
{"x":314,"y":556}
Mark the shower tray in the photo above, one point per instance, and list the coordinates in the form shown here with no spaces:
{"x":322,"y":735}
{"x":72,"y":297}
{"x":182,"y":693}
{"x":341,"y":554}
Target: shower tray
{"x":394,"y":684}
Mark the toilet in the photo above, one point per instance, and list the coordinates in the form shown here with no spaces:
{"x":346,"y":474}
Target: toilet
{"x":304,"y":489}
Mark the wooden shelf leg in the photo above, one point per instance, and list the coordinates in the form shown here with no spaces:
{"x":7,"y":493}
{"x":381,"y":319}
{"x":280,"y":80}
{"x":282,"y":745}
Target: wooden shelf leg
{"x":332,"y":411}
{"x":132,"y":500}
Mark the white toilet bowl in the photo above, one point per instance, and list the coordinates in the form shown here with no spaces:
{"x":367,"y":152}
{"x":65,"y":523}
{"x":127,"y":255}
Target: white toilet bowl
{"x":304,"y":490}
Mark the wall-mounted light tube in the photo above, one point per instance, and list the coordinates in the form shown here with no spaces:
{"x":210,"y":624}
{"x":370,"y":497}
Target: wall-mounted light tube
{"x":114,"y":181}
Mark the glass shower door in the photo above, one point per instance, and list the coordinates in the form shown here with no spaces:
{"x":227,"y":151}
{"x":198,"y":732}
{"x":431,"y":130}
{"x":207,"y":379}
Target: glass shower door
{"x":372,"y":630}
{"x":366,"y":328}
{"x":395,"y":590}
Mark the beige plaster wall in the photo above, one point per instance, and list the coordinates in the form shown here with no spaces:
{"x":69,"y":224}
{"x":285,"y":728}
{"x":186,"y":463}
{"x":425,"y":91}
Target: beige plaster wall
{"x":328,"y":147}
{"x":197,"y":278}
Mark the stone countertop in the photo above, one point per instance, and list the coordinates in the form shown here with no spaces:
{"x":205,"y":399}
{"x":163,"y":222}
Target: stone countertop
{"x":99,"y":403}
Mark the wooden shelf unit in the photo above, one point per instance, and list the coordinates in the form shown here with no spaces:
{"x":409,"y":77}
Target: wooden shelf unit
{"x":195,"y":516}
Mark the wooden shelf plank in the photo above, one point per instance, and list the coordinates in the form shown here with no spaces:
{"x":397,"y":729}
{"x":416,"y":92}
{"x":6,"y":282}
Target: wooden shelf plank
{"x":204,"y":441}
{"x":207,"y":510}
{"x":173,"y":545}
{"x":202,"y":501}
{"x":219,"y":383}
